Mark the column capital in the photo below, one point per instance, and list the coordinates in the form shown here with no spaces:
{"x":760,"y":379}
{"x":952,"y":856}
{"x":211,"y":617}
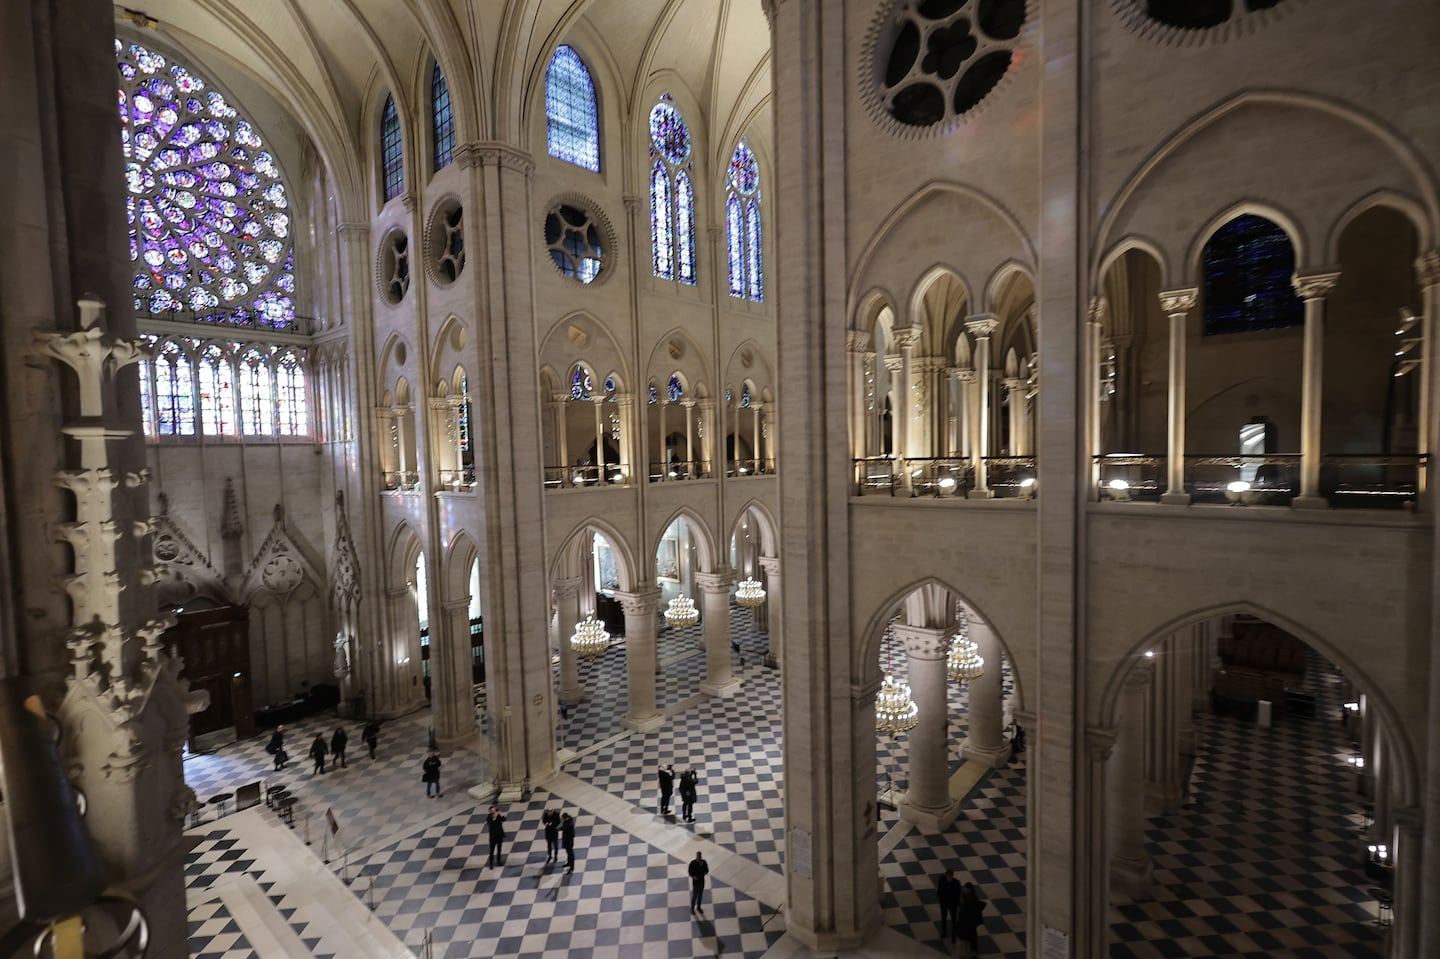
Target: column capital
{"x":642,"y":602}
{"x":1096,"y":311}
{"x":1099,"y":743}
{"x":907,"y":337}
{"x":494,"y":153}
{"x":924,"y":642}
{"x":981,"y":325}
{"x":1427,"y":268}
{"x":1316,"y":284}
{"x":856,"y":341}
{"x":1179,"y":301}
{"x":632,"y":202}
{"x":688,"y":404}
{"x":566,"y":586}
{"x":967,"y":376}
{"x":1015,"y":383}
{"x":358,"y":233}
{"x":716,"y":232}
{"x":715,"y":582}
{"x":771,"y":565}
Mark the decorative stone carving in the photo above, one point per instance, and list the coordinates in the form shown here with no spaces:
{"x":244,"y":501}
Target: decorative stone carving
{"x":1427,"y":268}
{"x":982,"y":325}
{"x":230,"y":525}
{"x":1314,"y":286}
{"x":1179,"y":300}
{"x":857,"y":341}
{"x":279,"y":566}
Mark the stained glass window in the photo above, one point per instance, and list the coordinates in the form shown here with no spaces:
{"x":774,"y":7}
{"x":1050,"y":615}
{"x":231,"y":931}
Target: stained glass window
{"x":392,"y":151}
{"x":654,"y":396}
{"x":1248,"y":265}
{"x":147,"y":400}
{"x":443,"y":118}
{"x":174,"y":392}
{"x":574,"y":241}
{"x":742,"y":224}
{"x":672,"y":194}
{"x":209,"y":218}
{"x":676,"y":389}
{"x":463,"y":416}
{"x":745,"y":397}
{"x":580,"y":384}
{"x":257,"y":408}
{"x":290,"y":398}
{"x":217,"y":393}
{"x":572,"y":125}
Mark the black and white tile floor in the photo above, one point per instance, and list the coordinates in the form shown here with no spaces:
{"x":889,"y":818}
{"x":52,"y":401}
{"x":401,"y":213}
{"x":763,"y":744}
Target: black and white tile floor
{"x":416,"y":866}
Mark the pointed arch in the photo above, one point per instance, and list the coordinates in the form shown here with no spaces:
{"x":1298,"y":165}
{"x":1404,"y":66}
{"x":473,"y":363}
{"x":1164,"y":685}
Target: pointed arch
{"x":626,"y":567}
{"x":765,"y":522}
{"x":707,"y":554}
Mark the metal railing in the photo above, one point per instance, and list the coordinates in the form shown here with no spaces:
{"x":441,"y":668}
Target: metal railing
{"x":239,"y":319}
{"x":400,"y":480}
{"x":1347,"y":480}
{"x":1273,"y":478}
{"x":679,"y":470}
{"x":750,"y":467}
{"x":1372,"y":480}
{"x":1130,"y":476}
{"x":460,"y":480}
{"x":1010,"y":477}
{"x":928,"y":476}
{"x":581,"y":477}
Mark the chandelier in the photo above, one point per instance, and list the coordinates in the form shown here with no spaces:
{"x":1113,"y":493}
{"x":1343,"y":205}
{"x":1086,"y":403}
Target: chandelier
{"x":964,"y":661}
{"x":681,"y":613}
{"x":895,"y":711}
{"x":749,"y":593}
{"x":590,"y":638}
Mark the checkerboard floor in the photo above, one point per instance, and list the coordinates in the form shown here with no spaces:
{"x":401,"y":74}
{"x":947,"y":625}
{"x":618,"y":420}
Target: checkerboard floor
{"x":1292,"y":888}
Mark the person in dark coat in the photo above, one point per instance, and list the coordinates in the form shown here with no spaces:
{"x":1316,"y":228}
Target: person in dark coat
{"x":699,"y":869}
{"x":688,"y":780}
{"x":370,"y":736}
{"x":430,"y":774}
{"x":947,"y":890}
{"x":276,"y":747}
{"x":338,"y":741}
{"x":496,"y":824}
{"x":667,"y":786}
{"x":318,"y":753}
{"x":567,"y":838}
{"x":971,"y":909}
{"x":550,"y":819}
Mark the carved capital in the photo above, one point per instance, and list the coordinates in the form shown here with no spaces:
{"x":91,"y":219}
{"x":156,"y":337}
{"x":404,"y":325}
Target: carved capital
{"x":967,"y":376}
{"x":357,"y":233}
{"x":716,"y":582}
{"x":1178,"y":301}
{"x":1015,"y":384}
{"x":1097,"y":309}
{"x":856,"y":341}
{"x":467,"y":155}
{"x":1427,"y":268}
{"x":1314,"y":286}
{"x":924,"y":642}
{"x":771,"y":566}
{"x":1099,"y":744}
{"x":566,"y":587}
{"x":982,"y":325}
{"x":640,"y":603}
{"x":907,"y":338}
{"x":632,"y":202}
{"x":407,"y":200}
{"x":1140,"y":674}
{"x":494,"y":153}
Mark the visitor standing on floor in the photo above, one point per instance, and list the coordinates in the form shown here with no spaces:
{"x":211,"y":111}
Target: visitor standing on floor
{"x":276,"y":747}
{"x":688,"y":780}
{"x":496,"y":824}
{"x":370,"y":736}
{"x":550,"y":819}
{"x":567,"y":838}
{"x":699,"y":869}
{"x":667,"y":787}
{"x":318,"y":753}
{"x":947,"y":890}
{"x":971,"y":910}
{"x":338,"y":741}
{"x":430,"y":774}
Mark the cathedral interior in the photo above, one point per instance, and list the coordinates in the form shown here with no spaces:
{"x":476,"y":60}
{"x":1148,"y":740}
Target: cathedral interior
{"x":986,"y":436}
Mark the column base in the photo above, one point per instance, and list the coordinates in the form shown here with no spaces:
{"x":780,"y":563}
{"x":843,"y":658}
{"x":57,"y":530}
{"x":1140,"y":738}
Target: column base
{"x":935,"y":820}
{"x":511,"y":792}
{"x":1310,"y":502}
{"x":643,"y":724}
{"x":728,"y":687}
{"x":483,"y":792}
{"x":1130,"y":878}
{"x":1163,"y":799}
{"x":992,"y":756}
{"x":771,"y":662}
{"x":1175,"y":499}
{"x":573,"y":696}
{"x":986,"y":493}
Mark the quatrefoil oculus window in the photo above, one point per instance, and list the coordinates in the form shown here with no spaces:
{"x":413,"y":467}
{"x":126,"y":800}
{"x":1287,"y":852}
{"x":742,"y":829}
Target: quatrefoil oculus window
{"x":446,"y":239}
{"x":1190,"y":22}
{"x":935,"y":60}
{"x":575,"y":240}
{"x":394,"y":267}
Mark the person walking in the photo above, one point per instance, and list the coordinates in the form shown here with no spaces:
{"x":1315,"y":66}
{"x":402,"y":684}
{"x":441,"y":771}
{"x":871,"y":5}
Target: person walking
{"x":947,"y":890}
{"x":370,"y":736}
{"x":430,"y":774}
{"x":339,"y":739}
{"x":276,"y":747}
{"x":567,"y":839}
{"x":550,"y":819}
{"x":318,"y":753}
{"x":970,"y":911}
{"x":667,"y":787}
{"x":496,"y":823}
{"x":699,"y":869}
{"x":688,"y":780}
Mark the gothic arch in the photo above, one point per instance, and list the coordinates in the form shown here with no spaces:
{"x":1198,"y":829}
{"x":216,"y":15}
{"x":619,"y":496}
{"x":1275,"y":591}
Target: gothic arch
{"x":1281,"y":218}
{"x":1124,"y":245}
{"x":706,"y":554}
{"x":927,"y":280}
{"x":460,"y":555}
{"x":1390,"y":200}
{"x":763,"y":521}
{"x":872,"y":306}
{"x":676,"y":351}
{"x":624,"y":555}
{"x":405,"y":547}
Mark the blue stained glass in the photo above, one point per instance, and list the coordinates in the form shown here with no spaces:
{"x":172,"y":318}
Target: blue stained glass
{"x":290,"y":396}
{"x":174,"y":392}
{"x":443,"y":118}
{"x":257,"y":408}
{"x":754,"y":260}
{"x":672,"y":195}
{"x":654,"y":396}
{"x":217,"y":393}
{"x":735,"y":245}
{"x":668,"y":133}
{"x":580,"y":384}
{"x":744,"y":170}
{"x":745,"y":397}
{"x":684,"y":228}
{"x":464,"y":413}
{"x":1249,"y":263}
{"x":676,"y":390}
{"x":742,"y":224}
{"x":147,"y":405}
{"x":662,"y":229}
{"x":392,"y":151}
{"x":572,"y":125}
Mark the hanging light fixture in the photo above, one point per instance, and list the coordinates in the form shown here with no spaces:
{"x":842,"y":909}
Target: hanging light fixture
{"x":895,"y":711}
{"x":964,"y":661}
{"x":681,"y":613}
{"x":749,"y":593}
{"x":590,"y":637}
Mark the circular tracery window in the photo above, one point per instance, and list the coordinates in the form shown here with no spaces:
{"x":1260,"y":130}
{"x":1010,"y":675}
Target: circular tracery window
{"x":935,"y":60}
{"x":210,"y":228}
{"x":1174,"y":21}
{"x":576,"y":238}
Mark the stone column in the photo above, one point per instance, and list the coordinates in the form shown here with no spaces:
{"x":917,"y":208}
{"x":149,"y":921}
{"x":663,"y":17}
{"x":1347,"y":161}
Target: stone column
{"x":689,"y":406}
{"x":567,"y":615}
{"x":771,"y":566}
{"x":1093,"y":876}
{"x":1016,"y":387}
{"x":969,"y":413}
{"x":1202,"y":653}
{"x":1181,"y":649}
{"x":855,"y":344}
{"x":756,"y":446}
{"x":1409,"y":908}
{"x":986,"y":741}
{"x":1164,"y":789}
{"x":1129,"y":861}
{"x":1177,"y":304}
{"x":559,"y":408}
{"x":600,"y":472}
{"x":982,"y":326}
{"x":625,"y":408}
{"x":927,"y":803}
{"x":720,"y":679}
{"x":640,"y":662}
{"x":451,"y":676}
{"x":664,"y":405}
{"x":902,"y":408}
{"x":955,"y":407}
{"x":1312,"y":288}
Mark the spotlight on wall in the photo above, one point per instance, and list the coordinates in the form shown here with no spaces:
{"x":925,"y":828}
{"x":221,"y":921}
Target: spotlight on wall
{"x":1028,"y":487}
{"x":1118,"y":490}
{"x":1235,"y":492}
{"x":945,"y":486}
{"x":1149,"y":654}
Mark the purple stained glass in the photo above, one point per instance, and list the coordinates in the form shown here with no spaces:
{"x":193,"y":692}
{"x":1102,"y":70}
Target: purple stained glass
{"x":672,"y":195}
{"x":291,"y":397}
{"x":735,"y":245}
{"x":684,"y":228}
{"x":572,"y":121}
{"x":676,"y":389}
{"x":580,"y":384}
{"x":669,"y":136}
{"x":174,"y":392}
{"x":754,"y":260}
{"x":217,"y":393}
{"x":742,"y":225}
{"x":257,"y":411}
{"x":187,"y":207}
{"x":147,"y":401}
{"x":662,"y":227}
{"x":744,"y":171}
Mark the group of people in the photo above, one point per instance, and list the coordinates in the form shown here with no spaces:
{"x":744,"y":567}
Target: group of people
{"x":559,"y":833}
{"x":962,"y":910}
{"x":689,"y":780}
{"x":319,"y":751}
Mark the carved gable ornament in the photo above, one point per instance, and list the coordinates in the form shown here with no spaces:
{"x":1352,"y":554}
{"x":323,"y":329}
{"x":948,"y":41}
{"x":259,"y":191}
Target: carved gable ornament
{"x":182,"y":571}
{"x":279,"y":567}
